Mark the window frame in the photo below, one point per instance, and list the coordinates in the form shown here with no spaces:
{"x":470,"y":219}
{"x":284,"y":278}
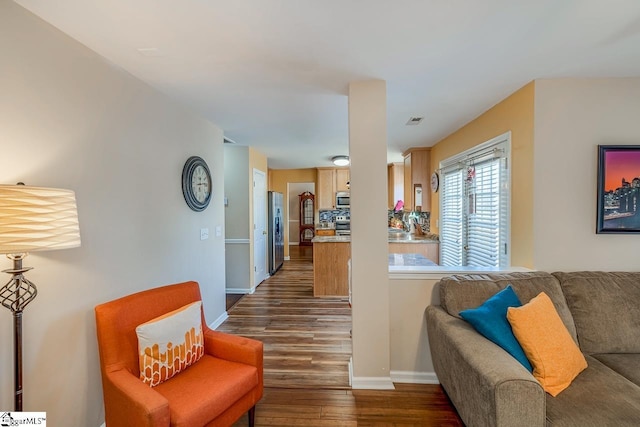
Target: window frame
{"x":498,"y":147}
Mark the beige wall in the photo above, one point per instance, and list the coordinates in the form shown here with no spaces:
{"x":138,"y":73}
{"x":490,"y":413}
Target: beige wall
{"x":69,"y":119}
{"x":514,"y":114}
{"x":240,"y":162}
{"x":573,"y":116}
{"x":278,"y":180}
{"x":369,"y":239}
{"x":237,"y":219}
{"x":257,"y":161}
{"x":410,"y":353}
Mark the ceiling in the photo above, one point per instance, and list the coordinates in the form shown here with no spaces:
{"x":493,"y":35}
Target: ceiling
{"x":274,"y":74}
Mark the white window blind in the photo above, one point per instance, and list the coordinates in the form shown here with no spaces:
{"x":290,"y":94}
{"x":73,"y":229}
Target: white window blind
{"x":474,"y":202}
{"x":451,"y":222}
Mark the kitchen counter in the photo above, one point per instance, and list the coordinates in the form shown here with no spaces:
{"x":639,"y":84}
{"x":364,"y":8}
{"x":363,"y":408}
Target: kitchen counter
{"x":410,"y":260}
{"x":347,"y":239}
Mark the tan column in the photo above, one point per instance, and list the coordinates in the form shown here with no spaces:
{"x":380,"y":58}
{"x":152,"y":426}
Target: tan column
{"x":369,"y":238}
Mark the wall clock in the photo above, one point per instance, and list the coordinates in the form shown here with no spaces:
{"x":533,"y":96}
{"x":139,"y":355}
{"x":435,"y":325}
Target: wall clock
{"x":435,"y":182}
{"x":196,"y":183}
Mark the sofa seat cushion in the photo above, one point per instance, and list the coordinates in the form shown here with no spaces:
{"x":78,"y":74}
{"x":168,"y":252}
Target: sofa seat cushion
{"x":461,"y":292}
{"x":206,"y":389}
{"x":605,"y":308}
{"x":627,"y":365}
{"x":598,"y":397}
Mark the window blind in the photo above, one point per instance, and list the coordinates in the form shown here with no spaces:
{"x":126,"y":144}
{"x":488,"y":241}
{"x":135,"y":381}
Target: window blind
{"x":474,"y":207}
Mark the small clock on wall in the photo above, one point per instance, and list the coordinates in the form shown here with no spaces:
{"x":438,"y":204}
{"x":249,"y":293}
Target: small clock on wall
{"x":196,"y":183}
{"x":435,"y":182}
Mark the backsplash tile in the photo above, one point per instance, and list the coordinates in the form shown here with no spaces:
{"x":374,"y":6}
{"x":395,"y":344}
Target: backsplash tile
{"x":329,"y":215}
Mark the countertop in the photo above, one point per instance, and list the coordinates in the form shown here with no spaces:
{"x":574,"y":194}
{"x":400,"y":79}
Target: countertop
{"x":347,"y":239}
{"x":409,"y":260}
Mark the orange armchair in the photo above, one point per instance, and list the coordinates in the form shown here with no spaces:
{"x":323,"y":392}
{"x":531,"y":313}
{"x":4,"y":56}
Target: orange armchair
{"x":215,"y":391}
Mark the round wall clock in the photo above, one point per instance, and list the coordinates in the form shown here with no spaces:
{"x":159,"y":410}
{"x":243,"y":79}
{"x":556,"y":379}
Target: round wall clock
{"x":196,"y":183}
{"x":435,"y":182}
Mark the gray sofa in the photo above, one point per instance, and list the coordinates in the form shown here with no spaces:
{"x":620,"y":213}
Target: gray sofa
{"x":490,"y":388}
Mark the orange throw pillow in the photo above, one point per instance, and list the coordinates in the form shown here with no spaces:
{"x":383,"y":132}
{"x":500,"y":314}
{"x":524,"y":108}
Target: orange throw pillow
{"x":170,"y":343}
{"x":555,"y":357}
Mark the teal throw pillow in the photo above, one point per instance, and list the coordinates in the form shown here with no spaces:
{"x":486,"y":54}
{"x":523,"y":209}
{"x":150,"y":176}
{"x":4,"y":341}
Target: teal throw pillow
{"x":490,"y":319}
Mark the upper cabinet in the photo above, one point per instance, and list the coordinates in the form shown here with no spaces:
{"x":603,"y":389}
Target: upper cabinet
{"x":417,"y":193}
{"x":328,"y":182}
{"x":395,"y":180}
{"x":342,"y":179}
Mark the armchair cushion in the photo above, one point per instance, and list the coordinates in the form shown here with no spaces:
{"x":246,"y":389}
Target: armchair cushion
{"x":170,"y":343}
{"x":205,"y":390}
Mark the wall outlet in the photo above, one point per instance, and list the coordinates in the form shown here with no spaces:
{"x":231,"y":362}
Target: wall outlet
{"x":204,"y":233}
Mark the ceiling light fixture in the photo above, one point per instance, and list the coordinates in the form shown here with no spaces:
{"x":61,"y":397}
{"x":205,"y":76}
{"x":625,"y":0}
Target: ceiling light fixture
{"x":340,"y":160}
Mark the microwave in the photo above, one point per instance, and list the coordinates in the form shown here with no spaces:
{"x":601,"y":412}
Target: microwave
{"x":342,"y":200}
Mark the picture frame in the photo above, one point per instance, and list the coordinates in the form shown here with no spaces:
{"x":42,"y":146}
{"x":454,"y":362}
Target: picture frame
{"x":618,"y":210}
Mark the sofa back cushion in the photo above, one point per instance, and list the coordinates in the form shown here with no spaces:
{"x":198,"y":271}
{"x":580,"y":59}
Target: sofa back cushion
{"x":605,"y":308}
{"x":461,"y":292}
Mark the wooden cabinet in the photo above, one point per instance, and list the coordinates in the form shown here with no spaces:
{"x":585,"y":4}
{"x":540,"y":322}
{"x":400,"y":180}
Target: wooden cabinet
{"x":331,"y":269}
{"x":395,"y":178}
{"x":328,"y":182}
{"x":342,"y":179}
{"x":417,"y":165}
{"x":326,"y":188}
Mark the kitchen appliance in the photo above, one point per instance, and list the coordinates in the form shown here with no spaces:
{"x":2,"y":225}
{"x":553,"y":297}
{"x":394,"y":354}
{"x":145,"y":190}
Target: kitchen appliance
{"x":276,"y":232}
{"x":342,"y":200}
{"x":343,"y":225}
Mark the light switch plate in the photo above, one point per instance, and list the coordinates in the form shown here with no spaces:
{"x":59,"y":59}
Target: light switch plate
{"x":218,"y":230}
{"x":204,"y":233}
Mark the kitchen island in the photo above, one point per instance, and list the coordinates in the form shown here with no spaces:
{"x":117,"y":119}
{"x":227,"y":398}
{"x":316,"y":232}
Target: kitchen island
{"x":331,"y":256}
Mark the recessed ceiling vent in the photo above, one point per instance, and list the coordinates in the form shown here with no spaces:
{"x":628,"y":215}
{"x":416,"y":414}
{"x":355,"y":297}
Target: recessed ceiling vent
{"x":228,"y":141}
{"x":414,"y":121}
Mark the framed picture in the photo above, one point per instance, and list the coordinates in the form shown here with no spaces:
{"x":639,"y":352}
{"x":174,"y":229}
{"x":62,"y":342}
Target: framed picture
{"x":618,"y":189}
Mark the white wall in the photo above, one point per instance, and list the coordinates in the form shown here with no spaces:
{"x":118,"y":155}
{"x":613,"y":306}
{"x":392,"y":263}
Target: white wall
{"x":573,"y":116}
{"x":236,"y":188}
{"x":69,"y":119}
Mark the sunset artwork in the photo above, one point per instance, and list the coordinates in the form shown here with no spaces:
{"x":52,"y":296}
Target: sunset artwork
{"x":619,"y":165}
{"x":618,"y":189}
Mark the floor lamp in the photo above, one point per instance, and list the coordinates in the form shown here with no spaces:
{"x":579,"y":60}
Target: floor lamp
{"x":31,"y":219}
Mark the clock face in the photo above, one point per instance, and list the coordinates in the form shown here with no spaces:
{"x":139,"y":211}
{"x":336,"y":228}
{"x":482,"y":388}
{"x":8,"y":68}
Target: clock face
{"x":200,"y":184}
{"x":435,"y":181}
{"x":196,"y":183}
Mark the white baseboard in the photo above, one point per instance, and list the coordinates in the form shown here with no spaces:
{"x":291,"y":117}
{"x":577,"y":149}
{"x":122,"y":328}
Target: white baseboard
{"x":103,"y":424}
{"x":214,"y":325}
{"x":287,"y":258}
{"x":372,"y":383}
{"x":240,"y":291}
{"x":294,"y":243}
{"x":414,"y":377}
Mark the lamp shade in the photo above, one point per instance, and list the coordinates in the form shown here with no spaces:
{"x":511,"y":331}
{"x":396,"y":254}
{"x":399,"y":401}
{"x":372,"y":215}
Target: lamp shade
{"x":37,"y":219}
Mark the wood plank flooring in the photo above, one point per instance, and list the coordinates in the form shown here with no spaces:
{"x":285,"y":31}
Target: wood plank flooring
{"x":307,"y":341}
{"x":307,"y":347}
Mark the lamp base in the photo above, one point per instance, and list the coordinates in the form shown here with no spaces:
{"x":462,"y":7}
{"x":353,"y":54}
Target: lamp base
{"x":15,"y":295}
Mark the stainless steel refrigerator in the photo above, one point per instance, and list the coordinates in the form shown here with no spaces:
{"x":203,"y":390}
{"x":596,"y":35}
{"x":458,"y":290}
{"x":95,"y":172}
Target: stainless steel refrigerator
{"x":276,"y":232}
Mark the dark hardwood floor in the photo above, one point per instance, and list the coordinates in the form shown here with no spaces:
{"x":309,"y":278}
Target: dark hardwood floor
{"x":307,"y":348}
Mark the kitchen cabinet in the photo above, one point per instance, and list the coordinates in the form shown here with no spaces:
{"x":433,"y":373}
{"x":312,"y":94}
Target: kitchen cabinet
{"x":326,"y":188}
{"x":395,"y":179}
{"x":328,"y":182}
{"x":417,"y":165}
{"x":342,"y":179}
{"x":331,"y":268}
